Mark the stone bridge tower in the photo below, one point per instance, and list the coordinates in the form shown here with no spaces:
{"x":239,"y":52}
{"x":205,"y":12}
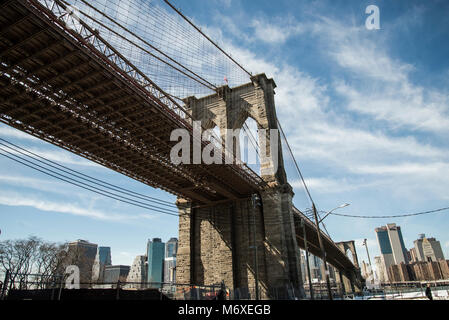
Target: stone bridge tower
{"x":216,"y":242}
{"x":350,"y":280}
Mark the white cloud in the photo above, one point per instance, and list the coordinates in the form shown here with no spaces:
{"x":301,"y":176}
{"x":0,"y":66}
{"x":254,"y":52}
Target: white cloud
{"x":23,"y":181}
{"x":328,"y":185}
{"x":59,"y":156}
{"x":14,"y":133}
{"x":403,"y":105}
{"x":277,"y":32}
{"x":317,"y":134}
{"x":225,"y":3}
{"x":365,"y":59}
{"x":12,"y":199}
{"x":348,"y":145}
{"x":53,"y":186}
{"x":381,"y":86}
{"x":425,"y":169}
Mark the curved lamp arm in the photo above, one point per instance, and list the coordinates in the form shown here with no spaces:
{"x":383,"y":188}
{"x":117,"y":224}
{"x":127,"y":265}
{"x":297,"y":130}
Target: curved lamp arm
{"x":339,"y":207}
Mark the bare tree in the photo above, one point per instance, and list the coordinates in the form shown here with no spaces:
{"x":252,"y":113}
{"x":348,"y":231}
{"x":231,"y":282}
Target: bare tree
{"x":18,"y":256}
{"x":79,"y":256}
{"x":49,"y":264}
{"x":24,"y":257}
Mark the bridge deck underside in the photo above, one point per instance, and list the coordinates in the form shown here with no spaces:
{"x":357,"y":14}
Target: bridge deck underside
{"x":64,"y":91}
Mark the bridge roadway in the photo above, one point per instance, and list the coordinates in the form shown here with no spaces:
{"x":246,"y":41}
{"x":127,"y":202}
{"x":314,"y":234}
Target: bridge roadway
{"x":73,"y":89}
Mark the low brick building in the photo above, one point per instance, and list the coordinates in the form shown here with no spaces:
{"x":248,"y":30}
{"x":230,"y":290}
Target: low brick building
{"x":419,"y":271}
{"x":400,"y":273}
{"x":444,"y":265}
{"x":434,"y":270}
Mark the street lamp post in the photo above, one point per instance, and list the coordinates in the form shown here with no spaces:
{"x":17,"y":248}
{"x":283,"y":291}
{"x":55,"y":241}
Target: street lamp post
{"x":303,"y":225}
{"x":256,"y":203}
{"x":320,"y":240}
{"x":323,"y":253}
{"x":367,"y":252}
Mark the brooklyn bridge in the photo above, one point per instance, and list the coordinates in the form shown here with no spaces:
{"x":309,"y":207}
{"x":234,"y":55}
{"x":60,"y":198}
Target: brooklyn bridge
{"x":77,"y":75}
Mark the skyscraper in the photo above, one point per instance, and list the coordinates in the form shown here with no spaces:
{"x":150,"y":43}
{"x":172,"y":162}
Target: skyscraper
{"x":380,"y":269}
{"x":316,"y":265}
{"x":365,"y":271}
{"x":138,"y":273}
{"x":391,"y":245}
{"x":428,"y":249}
{"x":102,"y":259}
{"x":113,"y":274}
{"x":155,"y":253}
{"x":171,"y":248}
{"x":316,"y":268}
{"x":386,"y":253}
{"x":413,"y":255}
{"x":104,"y":254}
{"x":419,"y":248}
{"x":82,"y":253}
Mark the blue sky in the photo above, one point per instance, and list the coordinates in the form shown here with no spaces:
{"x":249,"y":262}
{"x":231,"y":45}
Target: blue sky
{"x":366,"y":113}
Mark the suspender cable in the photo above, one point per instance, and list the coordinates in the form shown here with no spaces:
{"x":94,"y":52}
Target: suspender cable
{"x":204,"y":35}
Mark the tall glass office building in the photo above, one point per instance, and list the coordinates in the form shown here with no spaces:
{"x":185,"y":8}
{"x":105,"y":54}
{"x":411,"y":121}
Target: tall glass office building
{"x":113,"y":274}
{"x":82,"y":253}
{"x":392,"y":247}
{"x":104,"y":254}
{"x":155,"y":254}
{"x":102,"y":259}
{"x":171,"y":248}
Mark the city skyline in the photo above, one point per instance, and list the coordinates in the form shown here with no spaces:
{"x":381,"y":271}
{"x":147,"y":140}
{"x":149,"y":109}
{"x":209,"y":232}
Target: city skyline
{"x":108,"y":256}
{"x":361,"y":251}
{"x":349,"y":146}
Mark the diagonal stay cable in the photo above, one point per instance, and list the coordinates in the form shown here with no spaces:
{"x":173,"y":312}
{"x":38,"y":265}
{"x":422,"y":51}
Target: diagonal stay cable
{"x":196,"y":77}
{"x":204,"y":35}
{"x":296,"y":163}
{"x":80,"y":184}
{"x":81,"y":175}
